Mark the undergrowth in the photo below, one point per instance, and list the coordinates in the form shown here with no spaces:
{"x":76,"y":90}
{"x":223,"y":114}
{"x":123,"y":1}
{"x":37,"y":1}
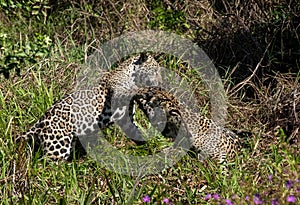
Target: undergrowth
{"x":44,"y":44}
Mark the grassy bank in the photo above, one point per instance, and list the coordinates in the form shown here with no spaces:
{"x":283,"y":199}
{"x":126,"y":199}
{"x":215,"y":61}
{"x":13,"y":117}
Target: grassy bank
{"x":44,"y":44}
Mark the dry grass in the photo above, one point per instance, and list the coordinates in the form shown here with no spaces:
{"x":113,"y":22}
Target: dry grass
{"x":254,"y":45}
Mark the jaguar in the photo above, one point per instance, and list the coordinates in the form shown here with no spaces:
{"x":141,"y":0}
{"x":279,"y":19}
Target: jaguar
{"x":84,"y":112}
{"x":206,"y":137}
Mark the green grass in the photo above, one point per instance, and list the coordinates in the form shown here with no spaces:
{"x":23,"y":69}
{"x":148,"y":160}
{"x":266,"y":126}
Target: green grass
{"x":269,"y":165}
{"x":83,"y":181}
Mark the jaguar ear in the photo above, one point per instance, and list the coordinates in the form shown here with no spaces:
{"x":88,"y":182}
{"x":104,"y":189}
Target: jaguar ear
{"x":143,"y":58}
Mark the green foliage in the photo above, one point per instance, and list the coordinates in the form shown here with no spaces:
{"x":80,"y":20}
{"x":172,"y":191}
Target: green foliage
{"x":21,"y":41}
{"x":280,"y":13}
{"x":284,"y":24}
{"x":30,"y":30}
{"x":168,"y":19}
{"x":28,"y":8}
{"x":15,"y":55}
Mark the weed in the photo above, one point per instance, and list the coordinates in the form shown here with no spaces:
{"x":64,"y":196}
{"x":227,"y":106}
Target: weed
{"x":43,"y":44}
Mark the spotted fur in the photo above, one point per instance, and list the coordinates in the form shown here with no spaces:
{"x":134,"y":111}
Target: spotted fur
{"x":86,"y":111}
{"x":206,"y":137}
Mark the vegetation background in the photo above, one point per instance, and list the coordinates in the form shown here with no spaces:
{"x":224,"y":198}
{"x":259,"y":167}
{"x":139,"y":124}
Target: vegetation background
{"x":255,"y":46}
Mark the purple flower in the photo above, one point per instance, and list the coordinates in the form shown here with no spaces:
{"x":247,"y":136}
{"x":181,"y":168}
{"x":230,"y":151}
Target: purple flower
{"x":270,"y":177}
{"x":228,"y":202}
{"x":207,"y":197}
{"x":216,"y":196}
{"x":146,"y":199}
{"x":166,"y":201}
{"x":291,"y":199}
{"x":298,"y":189}
{"x":257,"y":199}
{"x":289,"y":184}
{"x":275,"y":201}
{"x":247,"y":198}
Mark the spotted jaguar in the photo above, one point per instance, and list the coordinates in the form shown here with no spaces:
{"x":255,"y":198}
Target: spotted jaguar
{"x":206,"y":137}
{"x":86,"y":111}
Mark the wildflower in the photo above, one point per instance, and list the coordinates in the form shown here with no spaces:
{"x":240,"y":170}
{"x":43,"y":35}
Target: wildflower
{"x":166,"y":201}
{"x":270,"y":177}
{"x":247,"y":198}
{"x":207,"y":197}
{"x":289,"y":184}
{"x":228,"y":202}
{"x":216,"y":196}
{"x":257,"y":199}
{"x":291,"y":199}
{"x":146,"y":199}
{"x":275,"y":201}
